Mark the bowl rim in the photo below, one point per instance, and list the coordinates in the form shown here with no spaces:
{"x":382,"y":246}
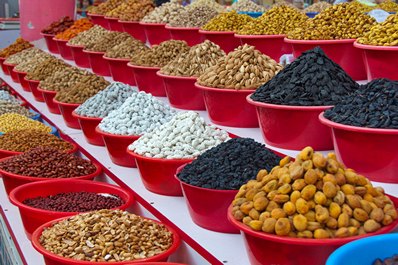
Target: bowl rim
{"x":261,"y":36}
{"x":128,"y":22}
{"x":116,"y":59}
{"x":47,"y":35}
{"x":9,"y":64}
{"x":75,"y":46}
{"x":228,"y":90}
{"x":374,"y":47}
{"x":19,"y":72}
{"x":98,"y":170}
{"x":103,"y":133}
{"x":162,"y":160}
{"x":143,"y":67}
{"x":111,"y":18}
{"x":93,"y":52}
{"x":292,"y":41}
{"x":312,"y":13}
{"x":94,"y":15}
{"x":175,"y":76}
{"x":31,"y":80}
{"x":68,"y":182}
{"x":181,"y":28}
{"x":152,"y":24}
{"x":335,"y":125}
{"x":285,"y":107}
{"x":309,"y":241}
{"x":12,"y":153}
{"x":66,"y":104}
{"x":212,"y":32}
{"x":47,"y":254}
{"x":59,"y":40}
{"x":75,"y":115}
{"x":40,"y":89}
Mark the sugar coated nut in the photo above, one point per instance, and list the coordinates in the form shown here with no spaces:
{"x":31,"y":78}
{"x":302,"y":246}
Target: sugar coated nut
{"x":13,"y":122}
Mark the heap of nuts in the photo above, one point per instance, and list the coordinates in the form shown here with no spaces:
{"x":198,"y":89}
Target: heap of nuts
{"x":58,"y":26}
{"x":105,"y":7}
{"x":114,"y":236}
{"x":46,"y":68}
{"x":312,"y":197}
{"x":78,"y":26}
{"x":14,"y":107}
{"x":278,"y":20}
{"x":23,"y":56}
{"x":31,"y":63}
{"x":243,"y":69}
{"x":285,"y":3}
{"x":163,"y":13}
{"x":160,"y":55}
{"x":63,"y":79}
{"x":230,"y":21}
{"x":89,"y":36}
{"x":361,"y":7}
{"x":13,"y":122}
{"x":389,"y":6}
{"x":342,"y":21}
{"x":19,"y":45}
{"x":317,"y":7}
{"x":107,"y":41}
{"x":195,"y":17}
{"x":126,"y":49}
{"x":247,"y":6}
{"x":380,"y":34}
{"x":132,"y":10}
{"x":25,"y":140}
{"x":85,"y":88}
{"x":47,"y":162}
{"x":210,"y":3}
{"x":195,"y":61}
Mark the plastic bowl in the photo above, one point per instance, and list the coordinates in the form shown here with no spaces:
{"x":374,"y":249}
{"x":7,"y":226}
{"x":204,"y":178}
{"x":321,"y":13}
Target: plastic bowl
{"x":21,"y":77}
{"x":190,"y":35}
{"x":88,"y":125}
{"x":64,"y":50}
{"x":3,"y":67}
{"x":33,"y":85}
{"x":371,"y":248}
{"x":114,"y":24}
{"x":267,"y":249}
{"x":158,"y":175}
{"x":292,"y":127}
{"x":11,"y":181}
{"x":380,"y":61}
{"x":271,"y":45}
{"x":81,"y":59}
{"x":98,"y":63}
{"x":354,"y":144}
{"x":311,"y":14}
{"x":228,"y":107}
{"x":32,"y":217}
{"x":135,"y":29}
{"x":252,"y":14}
{"x":147,"y":80}
{"x":225,"y":39}
{"x":66,"y":110}
{"x":182,"y":92}
{"x":36,"y":116}
{"x":117,"y":147}
{"x":156,"y":32}
{"x":341,"y":52}
{"x":50,"y":42}
{"x":208,"y":207}
{"x":10,"y":68}
{"x":120,"y":71}
{"x":53,"y":259}
{"x":48,"y":96}
{"x":99,"y":20}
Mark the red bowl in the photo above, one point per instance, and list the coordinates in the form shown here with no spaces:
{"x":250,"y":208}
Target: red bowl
{"x":292,"y":127}
{"x":114,"y":24}
{"x":11,"y":181}
{"x":88,"y":125}
{"x":147,"y":80}
{"x":22,"y":80}
{"x":98,"y":63}
{"x":341,"y":52}
{"x":32,"y":217}
{"x":117,"y":147}
{"x":33,"y":84}
{"x":380,"y":61}
{"x":48,"y":96}
{"x":99,"y":20}
{"x":81,"y":58}
{"x":228,"y":107}
{"x":271,"y":45}
{"x":50,"y":42}
{"x":208,"y":207}
{"x":10,"y":68}
{"x":182,"y":92}
{"x":354,"y":144}
{"x":66,"y":110}
{"x":158,"y":174}
{"x":120,"y":71}
{"x":190,"y":35}
{"x":135,"y":29}
{"x":3,"y":67}
{"x":156,"y":32}
{"x":268,"y":249}
{"x":65,"y":51}
{"x":225,"y":39}
{"x":53,"y":259}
